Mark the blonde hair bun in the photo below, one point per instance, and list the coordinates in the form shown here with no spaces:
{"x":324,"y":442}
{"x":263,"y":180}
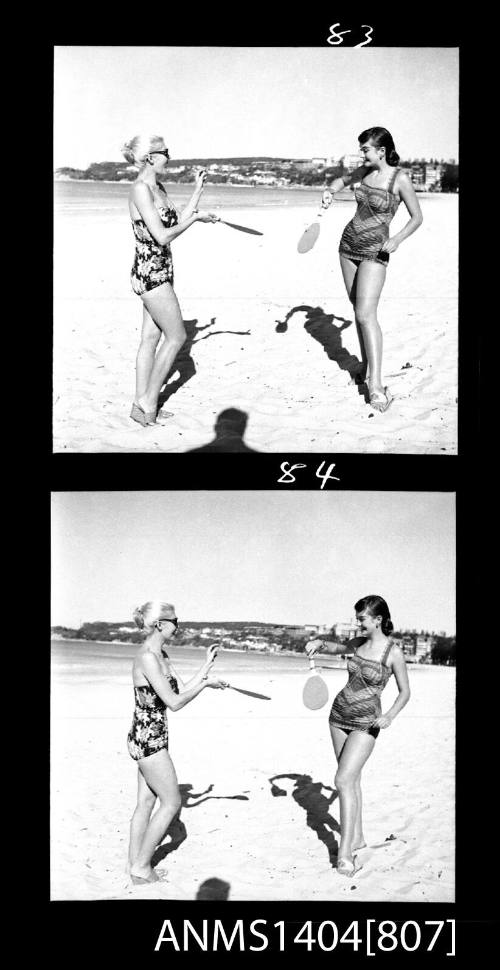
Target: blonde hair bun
{"x":149,"y":613}
{"x":136,"y":150}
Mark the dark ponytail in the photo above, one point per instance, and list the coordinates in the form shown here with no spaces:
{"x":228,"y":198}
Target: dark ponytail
{"x":376,"y":606}
{"x":381,"y":138}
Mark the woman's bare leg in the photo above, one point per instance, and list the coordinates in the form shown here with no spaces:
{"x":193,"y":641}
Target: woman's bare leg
{"x":349,"y":271}
{"x":352,"y":752}
{"x":339,"y":737}
{"x":163,"y":307}
{"x":159,"y":775}
{"x":359,"y":840}
{"x":369,"y":283}
{"x":150,"y":338}
{"x":146,"y":799}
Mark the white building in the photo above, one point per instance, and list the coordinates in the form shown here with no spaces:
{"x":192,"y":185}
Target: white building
{"x":350,"y":162}
{"x":346,"y":630}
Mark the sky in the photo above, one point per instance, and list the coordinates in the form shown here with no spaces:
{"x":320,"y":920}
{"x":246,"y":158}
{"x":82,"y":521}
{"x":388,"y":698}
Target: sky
{"x":295,"y":102}
{"x":279,"y":557}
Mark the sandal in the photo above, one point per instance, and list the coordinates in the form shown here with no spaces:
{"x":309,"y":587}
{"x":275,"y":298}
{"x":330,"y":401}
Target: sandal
{"x":347,"y":868}
{"x":140,"y":880}
{"x":381,"y":400}
{"x":141,"y":416}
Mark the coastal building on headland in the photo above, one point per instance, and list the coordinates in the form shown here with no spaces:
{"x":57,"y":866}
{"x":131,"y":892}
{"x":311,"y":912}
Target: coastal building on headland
{"x":345,"y":630}
{"x":350,"y":162}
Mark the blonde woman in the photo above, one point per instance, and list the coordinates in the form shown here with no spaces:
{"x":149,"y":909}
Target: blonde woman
{"x":157,"y":687}
{"x":156,"y":223}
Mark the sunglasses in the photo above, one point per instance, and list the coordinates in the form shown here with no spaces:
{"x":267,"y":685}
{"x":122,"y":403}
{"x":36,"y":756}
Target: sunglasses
{"x":160,"y":151}
{"x":170,"y":619}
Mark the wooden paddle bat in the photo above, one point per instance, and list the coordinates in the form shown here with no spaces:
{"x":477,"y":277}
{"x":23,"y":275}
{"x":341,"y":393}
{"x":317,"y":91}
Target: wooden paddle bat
{"x":251,"y":693}
{"x":233,"y":225}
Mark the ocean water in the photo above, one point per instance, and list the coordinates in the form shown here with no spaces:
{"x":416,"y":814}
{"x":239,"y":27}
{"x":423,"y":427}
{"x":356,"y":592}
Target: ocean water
{"x":89,"y":658}
{"x":72,"y":197}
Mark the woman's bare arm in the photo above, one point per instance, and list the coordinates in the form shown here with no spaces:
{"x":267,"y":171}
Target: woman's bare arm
{"x":334,"y":648}
{"x":400,"y":672}
{"x":409,"y":197}
{"x":143,"y":201}
{"x":340,"y":183}
{"x":159,"y":682}
{"x":210,"y":659}
{"x":192,"y":205}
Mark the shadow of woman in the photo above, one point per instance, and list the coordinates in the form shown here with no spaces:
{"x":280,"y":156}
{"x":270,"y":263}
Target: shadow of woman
{"x":321,"y":327}
{"x":309,"y":795}
{"x":177,"y":830}
{"x":184,"y":363}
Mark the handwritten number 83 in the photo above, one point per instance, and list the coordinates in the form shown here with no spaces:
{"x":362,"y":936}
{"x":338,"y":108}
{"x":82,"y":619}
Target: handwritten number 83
{"x":336,"y":36}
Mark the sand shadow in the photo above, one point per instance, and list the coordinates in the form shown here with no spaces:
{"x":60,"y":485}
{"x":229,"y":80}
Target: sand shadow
{"x":229,"y":430}
{"x":177,"y":830}
{"x":184,"y":363}
{"x":321,"y":327}
{"x":309,"y":795}
{"x":213,"y":888}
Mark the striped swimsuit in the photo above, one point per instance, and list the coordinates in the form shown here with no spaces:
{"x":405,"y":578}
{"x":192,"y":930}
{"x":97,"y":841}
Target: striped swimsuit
{"x":358,"y":705}
{"x":368,"y":230}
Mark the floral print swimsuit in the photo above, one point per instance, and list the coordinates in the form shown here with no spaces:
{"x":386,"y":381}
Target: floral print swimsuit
{"x":149,"y":731}
{"x":153,"y":264}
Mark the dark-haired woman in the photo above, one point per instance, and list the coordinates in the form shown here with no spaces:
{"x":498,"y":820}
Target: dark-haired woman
{"x":356,"y":715}
{"x":365,"y":245}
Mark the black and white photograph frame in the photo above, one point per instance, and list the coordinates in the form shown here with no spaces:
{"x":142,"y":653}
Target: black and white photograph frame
{"x":330,"y":323}
{"x":258,"y":577}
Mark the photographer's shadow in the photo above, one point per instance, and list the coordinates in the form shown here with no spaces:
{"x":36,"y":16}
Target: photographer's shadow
{"x":321,"y":327}
{"x":229,"y":430}
{"x":309,"y":795}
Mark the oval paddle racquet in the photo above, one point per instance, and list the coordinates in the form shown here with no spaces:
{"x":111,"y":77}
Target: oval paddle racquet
{"x":315,"y":690}
{"x":310,"y":235}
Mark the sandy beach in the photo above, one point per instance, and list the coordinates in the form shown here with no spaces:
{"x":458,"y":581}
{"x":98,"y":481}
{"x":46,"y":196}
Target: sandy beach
{"x":293,"y":383}
{"x":259,"y":814}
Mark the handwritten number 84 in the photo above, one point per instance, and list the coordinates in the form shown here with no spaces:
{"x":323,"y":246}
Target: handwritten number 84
{"x":336,"y":36}
{"x":287,"y":476}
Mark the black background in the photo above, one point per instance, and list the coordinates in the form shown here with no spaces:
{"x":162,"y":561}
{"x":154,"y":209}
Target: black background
{"x":126,"y":931}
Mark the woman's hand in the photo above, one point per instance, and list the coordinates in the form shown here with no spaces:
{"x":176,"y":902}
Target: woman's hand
{"x":211,"y":654}
{"x":327,"y":198}
{"x":312,"y":646}
{"x":200,"y":179}
{"x":390,"y":245}
{"x":207,"y":217}
{"x":216,"y":683}
{"x":382,"y":722}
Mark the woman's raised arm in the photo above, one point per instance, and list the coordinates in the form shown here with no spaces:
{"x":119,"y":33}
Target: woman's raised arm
{"x":153,"y":672}
{"x":143,"y":201}
{"x":334,"y":648}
